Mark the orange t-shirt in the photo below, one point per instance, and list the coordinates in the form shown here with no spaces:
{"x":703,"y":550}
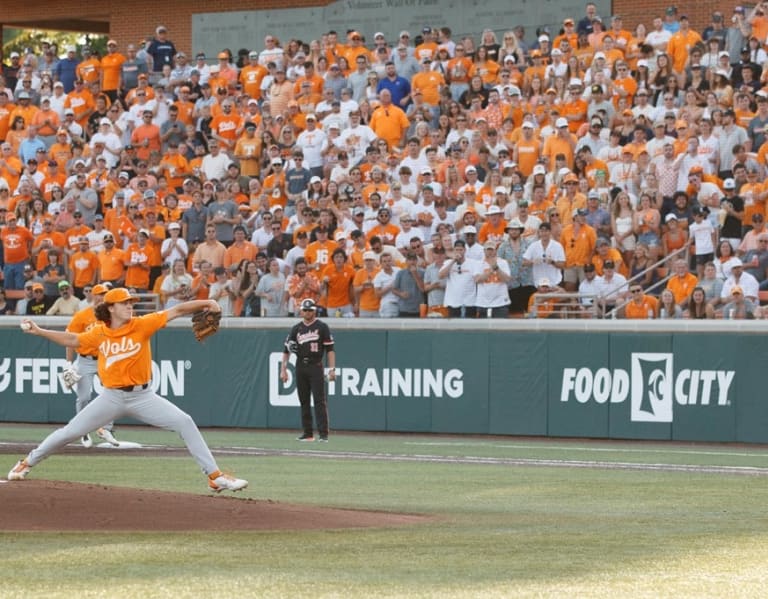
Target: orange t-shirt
{"x":318,"y":254}
{"x":640,"y":311}
{"x":125,"y":354}
{"x":235,"y":253}
{"x":111,"y":267}
{"x":136,"y":275}
{"x":339,"y":286}
{"x":16,"y":244}
{"x":111,"y":65}
{"x":368,"y":299}
{"x":83,"y":266}
{"x":251,"y":78}
{"x":681,"y":288}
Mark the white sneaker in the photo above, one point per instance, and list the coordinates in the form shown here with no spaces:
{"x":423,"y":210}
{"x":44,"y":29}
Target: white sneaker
{"x":86,"y":442}
{"x":20,"y":470}
{"x":218,"y":482}
{"x":107,"y":435}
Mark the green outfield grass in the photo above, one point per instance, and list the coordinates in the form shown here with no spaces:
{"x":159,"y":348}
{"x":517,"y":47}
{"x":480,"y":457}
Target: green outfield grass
{"x":499,"y":531}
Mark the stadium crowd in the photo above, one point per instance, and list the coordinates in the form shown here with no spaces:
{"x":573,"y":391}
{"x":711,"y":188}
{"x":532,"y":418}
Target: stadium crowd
{"x":397,"y":177}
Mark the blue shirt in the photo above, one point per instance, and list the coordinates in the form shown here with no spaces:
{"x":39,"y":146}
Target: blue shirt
{"x":399,"y":88}
{"x":28,"y":149}
{"x":65,"y":72}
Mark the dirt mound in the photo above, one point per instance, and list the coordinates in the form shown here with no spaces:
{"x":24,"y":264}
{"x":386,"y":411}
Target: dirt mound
{"x":40,"y":505}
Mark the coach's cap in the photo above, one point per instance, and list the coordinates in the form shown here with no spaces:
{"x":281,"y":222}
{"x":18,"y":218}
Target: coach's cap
{"x":119,"y":295}
{"x":99,"y":289}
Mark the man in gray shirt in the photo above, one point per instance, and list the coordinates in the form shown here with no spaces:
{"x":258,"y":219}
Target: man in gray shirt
{"x":224,"y":214}
{"x":409,"y":287}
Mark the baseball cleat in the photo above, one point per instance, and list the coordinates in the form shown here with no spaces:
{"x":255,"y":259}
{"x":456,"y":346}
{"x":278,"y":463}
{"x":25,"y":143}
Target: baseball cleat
{"x":306,"y":438}
{"x":323,"y":439}
{"x":86,"y":442}
{"x":218,"y":482}
{"x":19,"y":471}
{"x":107,"y":435}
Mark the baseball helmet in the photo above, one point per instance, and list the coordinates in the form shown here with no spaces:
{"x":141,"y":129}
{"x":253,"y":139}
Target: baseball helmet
{"x":308,"y":304}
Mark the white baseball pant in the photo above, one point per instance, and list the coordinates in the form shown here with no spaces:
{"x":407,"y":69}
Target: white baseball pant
{"x":87,"y":368}
{"x":144,"y":405}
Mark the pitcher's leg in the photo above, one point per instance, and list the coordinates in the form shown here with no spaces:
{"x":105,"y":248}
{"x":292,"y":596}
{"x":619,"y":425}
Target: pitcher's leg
{"x":105,"y":408}
{"x":158,"y":411}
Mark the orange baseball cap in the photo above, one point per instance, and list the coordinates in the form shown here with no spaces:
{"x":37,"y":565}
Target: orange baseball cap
{"x":99,"y":289}
{"x":119,"y":295}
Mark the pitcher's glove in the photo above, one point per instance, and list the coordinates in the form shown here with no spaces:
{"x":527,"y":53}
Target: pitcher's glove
{"x":70,"y":376}
{"x":205,"y":323}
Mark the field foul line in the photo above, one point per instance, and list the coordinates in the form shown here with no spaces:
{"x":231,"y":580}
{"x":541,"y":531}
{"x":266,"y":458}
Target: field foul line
{"x":740,"y":454}
{"x":691,"y":468}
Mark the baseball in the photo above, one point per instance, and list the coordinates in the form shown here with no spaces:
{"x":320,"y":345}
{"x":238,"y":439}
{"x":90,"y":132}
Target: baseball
{"x":25,"y":326}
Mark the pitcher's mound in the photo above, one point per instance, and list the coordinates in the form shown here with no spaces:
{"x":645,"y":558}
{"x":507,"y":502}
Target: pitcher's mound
{"x":40,"y":505}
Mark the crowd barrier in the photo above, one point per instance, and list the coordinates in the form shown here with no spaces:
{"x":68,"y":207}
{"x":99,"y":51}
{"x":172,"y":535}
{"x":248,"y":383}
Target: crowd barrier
{"x":681,"y":380}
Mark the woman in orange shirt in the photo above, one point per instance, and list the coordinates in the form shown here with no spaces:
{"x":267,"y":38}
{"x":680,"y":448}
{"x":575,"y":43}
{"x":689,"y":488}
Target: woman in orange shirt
{"x":485,"y":68}
{"x":16,"y":134}
{"x":122,"y":342}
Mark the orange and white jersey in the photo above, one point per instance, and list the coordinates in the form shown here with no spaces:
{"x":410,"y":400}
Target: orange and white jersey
{"x":83,"y":321}
{"x":124,"y":354}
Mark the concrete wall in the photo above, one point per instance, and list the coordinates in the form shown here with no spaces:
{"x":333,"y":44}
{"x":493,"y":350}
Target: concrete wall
{"x":129,"y":22}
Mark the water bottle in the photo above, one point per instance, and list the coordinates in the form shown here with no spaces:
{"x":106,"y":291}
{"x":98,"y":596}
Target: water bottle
{"x":731,"y":314}
{"x":338,"y":312}
{"x":663,"y":313}
{"x":488,"y":312}
{"x":650,"y":314}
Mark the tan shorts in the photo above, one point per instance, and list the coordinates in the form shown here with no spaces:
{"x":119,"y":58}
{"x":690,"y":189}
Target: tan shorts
{"x":573,"y":274}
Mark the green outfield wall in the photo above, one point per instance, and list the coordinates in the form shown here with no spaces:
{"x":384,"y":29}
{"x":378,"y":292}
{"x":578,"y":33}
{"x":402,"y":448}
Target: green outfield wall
{"x":616,"y":380}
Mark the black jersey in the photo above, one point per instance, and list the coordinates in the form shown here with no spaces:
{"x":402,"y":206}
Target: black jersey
{"x":309,"y":341}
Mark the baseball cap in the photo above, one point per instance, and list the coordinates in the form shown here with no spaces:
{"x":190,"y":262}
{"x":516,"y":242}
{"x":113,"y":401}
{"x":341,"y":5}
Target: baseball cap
{"x":99,"y":289}
{"x":514,"y":224}
{"x":308,"y":304}
{"x":119,"y":295}
{"x":370,"y":256}
{"x":493,"y":210}
{"x":729,"y":184}
{"x":609,"y":264}
{"x":736,"y":290}
{"x":174,"y":225}
{"x":62,"y":284}
{"x":470,"y":230}
{"x":561,"y":122}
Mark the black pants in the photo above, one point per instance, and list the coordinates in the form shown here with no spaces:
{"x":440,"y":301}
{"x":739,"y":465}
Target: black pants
{"x":310,"y":383}
{"x":468,"y":312}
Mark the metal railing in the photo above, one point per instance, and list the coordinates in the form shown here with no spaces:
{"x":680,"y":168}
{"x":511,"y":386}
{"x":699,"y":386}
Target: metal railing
{"x":682,"y":252}
{"x":148,"y":302}
{"x":567,"y":305}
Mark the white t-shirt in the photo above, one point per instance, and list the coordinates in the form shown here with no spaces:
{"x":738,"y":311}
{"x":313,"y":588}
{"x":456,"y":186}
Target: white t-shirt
{"x":701,"y":233}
